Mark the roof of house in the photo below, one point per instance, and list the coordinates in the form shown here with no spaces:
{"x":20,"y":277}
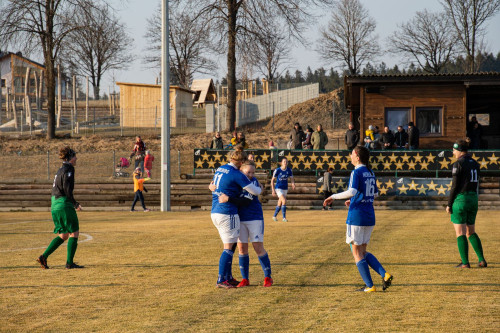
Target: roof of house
{"x":203,"y":86}
{"x":20,"y":56}
{"x":483,"y":77}
{"x":152,"y":86}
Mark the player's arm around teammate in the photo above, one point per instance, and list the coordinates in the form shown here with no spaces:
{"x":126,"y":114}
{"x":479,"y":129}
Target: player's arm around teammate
{"x":463,"y":204}
{"x":361,"y":217}
{"x":63,"y":209}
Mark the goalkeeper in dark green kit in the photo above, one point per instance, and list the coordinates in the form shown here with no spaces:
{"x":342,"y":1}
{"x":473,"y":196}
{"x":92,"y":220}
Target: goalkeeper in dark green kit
{"x":63,"y":208}
{"x":463,"y":204}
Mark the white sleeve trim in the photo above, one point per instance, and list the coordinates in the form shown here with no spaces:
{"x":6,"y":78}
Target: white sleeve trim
{"x":253,"y":189}
{"x":345,"y":195}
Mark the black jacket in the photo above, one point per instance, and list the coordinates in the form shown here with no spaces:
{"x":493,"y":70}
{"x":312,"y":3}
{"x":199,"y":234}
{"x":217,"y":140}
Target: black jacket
{"x":413,"y":136}
{"x":217,"y":143}
{"x":64,"y":183}
{"x":387,"y":138}
{"x":351,"y":138}
{"x":401,"y":138}
{"x":465,"y":175}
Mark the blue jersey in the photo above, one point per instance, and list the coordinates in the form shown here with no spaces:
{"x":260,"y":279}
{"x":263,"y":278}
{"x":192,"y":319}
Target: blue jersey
{"x":230,"y":181}
{"x":361,"y":211}
{"x":282,"y":178}
{"x":253,"y":211}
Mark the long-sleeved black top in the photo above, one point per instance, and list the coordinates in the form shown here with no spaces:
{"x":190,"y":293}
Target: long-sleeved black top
{"x":465,"y":175}
{"x":64,"y":183}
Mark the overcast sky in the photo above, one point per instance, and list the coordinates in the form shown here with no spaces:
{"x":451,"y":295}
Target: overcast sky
{"x":387,"y":14}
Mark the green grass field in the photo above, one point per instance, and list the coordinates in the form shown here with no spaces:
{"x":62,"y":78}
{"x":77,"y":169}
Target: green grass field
{"x":157,"y":272}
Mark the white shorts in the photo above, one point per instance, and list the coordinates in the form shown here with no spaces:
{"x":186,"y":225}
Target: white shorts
{"x":280,"y":192}
{"x":251,"y":231}
{"x":228,"y":226}
{"x":358,"y":235}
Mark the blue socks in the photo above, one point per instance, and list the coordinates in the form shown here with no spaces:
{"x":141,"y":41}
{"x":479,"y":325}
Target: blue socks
{"x":277,"y":210}
{"x":374,"y":264}
{"x":266,"y":265}
{"x":283,"y":210}
{"x":225,"y":262}
{"x":364,"y":271}
{"x":244,"y":265}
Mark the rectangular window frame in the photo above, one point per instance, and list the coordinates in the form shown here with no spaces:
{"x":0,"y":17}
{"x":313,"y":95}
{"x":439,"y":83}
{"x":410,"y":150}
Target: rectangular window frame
{"x":439,"y":108}
{"x":394,"y":127}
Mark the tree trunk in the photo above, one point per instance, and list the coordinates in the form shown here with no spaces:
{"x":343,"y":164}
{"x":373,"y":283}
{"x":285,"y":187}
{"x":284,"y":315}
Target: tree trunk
{"x":50,"y":80}
{"x":231,"y":66}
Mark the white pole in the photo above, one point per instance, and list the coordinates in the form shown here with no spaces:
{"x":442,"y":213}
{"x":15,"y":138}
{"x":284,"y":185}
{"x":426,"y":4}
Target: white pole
{"x":87,"y":101}
{"x":165,"y":106}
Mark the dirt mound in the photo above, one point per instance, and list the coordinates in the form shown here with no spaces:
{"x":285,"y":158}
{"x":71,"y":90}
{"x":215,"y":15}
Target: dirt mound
{"x":313,"y":112}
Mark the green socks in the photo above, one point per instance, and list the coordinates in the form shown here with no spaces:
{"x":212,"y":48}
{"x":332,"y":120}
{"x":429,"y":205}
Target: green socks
{"x":463,"y":249}
{"x":476,"y":245}
{"x":72,"y":244}
{"x":56,"y":242}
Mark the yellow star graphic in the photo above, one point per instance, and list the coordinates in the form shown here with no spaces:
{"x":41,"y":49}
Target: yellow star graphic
{"x":211,"y":164}
{"x":343,"y":165}
{"x":217,"y":157}
{"x":307,"y":165}
{"x":387,"y":165}
{"x":331,"y":165}
{"x":399,"y":165}
{"x":264,"y":156}
{"x":483,"y":163}
{"x":380,"y":158}
{"x":301,"y":157}
{"x":412,"y":186}
{"x":382,"y":191}
{"x":313,"y":158}
{"x":379,"y":183}
{"x":493,"y":159}
{"x":199,"y":164}
{"x":405,"y":158}
{"x":421,"y":190}
{"x":424,"y":165}
{"x":372,"y":160}
{"x":205,"y":156}
{"x":474,"y":157}
{"x":325,"y":158}
{"x":449,"y":185}
{"x":295,"y":165}
{"x":320,"y":189}
{"x":389,"y":184}
{"x":418,"y":158}
{"x":430,"y":158}
{"x":393,"y":157}
{"x":452,"y":160}
{"x":432,"y":186}
{"x":289,"y":157}
{"x":441,"y":190}
{"x":338,"y":157}
{"x":258,"y":165}
{"x":444,"y":163}
{"x":340,"y":183}
{"x":411,"y":165}
{"x":403,"y":189}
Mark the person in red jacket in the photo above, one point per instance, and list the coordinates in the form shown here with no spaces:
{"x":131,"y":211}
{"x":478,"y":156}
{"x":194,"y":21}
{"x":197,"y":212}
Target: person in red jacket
{"x":148,"y":163}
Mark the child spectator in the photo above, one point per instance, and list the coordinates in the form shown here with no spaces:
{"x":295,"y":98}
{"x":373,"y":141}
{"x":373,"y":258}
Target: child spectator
{"x":148,"y":163}
{"x":138,"y":188}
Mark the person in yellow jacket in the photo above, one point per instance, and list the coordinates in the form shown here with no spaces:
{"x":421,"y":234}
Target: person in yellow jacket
{"x":138,"y":188}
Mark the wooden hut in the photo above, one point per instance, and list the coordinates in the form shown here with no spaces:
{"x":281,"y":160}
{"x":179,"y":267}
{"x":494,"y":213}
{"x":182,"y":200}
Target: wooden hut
{"x":204,"y":92}
{"x":140,"y":105}
{"x":440,"y":105}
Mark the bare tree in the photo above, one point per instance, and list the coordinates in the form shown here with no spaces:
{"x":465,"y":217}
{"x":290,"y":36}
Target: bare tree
{"x":190,"y":47}
{"x":100,"y":43}
{"x":39,"y":24}
{"x":230,"y":19}
{"x":349,"y":37}
{"x":469,"y":17}
{"x":428,"y":39}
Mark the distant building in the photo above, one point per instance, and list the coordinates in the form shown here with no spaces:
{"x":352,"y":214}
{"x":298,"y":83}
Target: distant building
{"x":204,"y":92}
{"x":440,"y":105}
{"x":140,"y":105}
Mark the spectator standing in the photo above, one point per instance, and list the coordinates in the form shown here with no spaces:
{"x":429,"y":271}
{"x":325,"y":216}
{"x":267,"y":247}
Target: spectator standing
{"x":401,"y":138}
{"x":148,"y":163}
{"x":351,"y":137}
{"x":217,"y":142}
{"x":387,"y":139}
{"x":475,"y":136}
{"x":138,"y":188}
{"x":375,"y":144}
{"x":234,"y":139}
{"x":319,"y":139}
{"x":306,"y":144}
{"x":139,"y":153}
{"x":327,"y":186}
{"x":271,"y":144}
{"x":297,"y":136}
{"x":240,"y":140}
{"x":413,"y":136}
{"x":369,"y":136}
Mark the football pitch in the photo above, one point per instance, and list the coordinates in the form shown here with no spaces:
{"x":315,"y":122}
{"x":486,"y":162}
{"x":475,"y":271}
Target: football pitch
{"x":157,"y":272}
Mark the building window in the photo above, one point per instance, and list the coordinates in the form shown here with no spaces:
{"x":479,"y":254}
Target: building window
{"x":2,"y":83}
{"x":429,"y":121}
{"x":395,"y":117}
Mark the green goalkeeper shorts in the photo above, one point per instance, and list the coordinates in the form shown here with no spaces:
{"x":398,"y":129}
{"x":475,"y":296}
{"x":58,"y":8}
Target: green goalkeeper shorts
{"x":464,"y":209}
{"x":64,"y":216}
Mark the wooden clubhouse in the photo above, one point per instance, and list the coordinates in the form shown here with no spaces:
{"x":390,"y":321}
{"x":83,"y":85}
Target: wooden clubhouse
{"x":440,"y":105}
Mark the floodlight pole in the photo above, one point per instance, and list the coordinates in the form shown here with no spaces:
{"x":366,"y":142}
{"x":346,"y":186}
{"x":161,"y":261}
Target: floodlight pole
{"x":165,"y":110}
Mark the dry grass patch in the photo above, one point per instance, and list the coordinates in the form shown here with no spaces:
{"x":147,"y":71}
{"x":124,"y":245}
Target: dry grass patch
{"x":157,"y":272}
